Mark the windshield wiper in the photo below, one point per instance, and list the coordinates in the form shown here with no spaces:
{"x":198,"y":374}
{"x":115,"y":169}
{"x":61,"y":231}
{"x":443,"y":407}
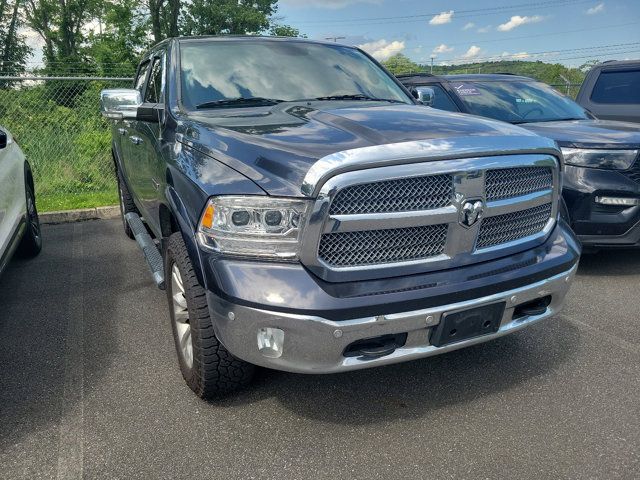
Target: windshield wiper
{"x":357,"y":96}
{"x":239,"y":102}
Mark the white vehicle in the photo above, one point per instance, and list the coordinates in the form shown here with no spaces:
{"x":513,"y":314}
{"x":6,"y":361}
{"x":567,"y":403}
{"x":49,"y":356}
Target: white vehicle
{"x":19,"y":224}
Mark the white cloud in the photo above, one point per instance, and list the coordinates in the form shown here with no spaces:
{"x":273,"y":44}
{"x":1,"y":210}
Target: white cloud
{"x":442,"y":48}
{"x":517,"y":20}
{"x":596,"y":9}
{"x":515,"y":56}
{"x":442,"y":18}
{"x":469,"y":26}
{"x":484,"y":29}
{"x":473,"y":52}
{"x":381,"y":49}
{"x":331,"y":4}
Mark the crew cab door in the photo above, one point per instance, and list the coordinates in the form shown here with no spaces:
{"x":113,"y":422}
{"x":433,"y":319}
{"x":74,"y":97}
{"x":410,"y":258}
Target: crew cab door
{"x":12,"y":189}
{"x":131,"y":157}
{"x":147,"y":147}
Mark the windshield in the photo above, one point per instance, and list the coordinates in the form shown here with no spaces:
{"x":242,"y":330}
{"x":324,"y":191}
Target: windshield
{"x":220,"y":71}
{"x":517,"y":102}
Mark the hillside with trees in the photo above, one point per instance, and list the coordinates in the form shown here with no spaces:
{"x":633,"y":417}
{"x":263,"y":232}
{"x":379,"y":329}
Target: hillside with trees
{"x":551,"y":73}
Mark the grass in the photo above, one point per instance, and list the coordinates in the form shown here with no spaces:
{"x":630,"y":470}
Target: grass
{"x":65,"y":201}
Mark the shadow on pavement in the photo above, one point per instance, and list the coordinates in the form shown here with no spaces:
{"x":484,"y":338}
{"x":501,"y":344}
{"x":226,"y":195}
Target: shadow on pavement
{"x":415,"y":389}
{"x":610,"y":262}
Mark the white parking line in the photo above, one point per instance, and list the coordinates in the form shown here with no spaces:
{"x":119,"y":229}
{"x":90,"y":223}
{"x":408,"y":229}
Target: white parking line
{"x":71,"y":442}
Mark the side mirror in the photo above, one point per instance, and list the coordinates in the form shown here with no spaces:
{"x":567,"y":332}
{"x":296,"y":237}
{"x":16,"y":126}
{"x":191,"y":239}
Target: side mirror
{"x":426,"y":95}
{"x":3,"y":139}
{"x":120,"y":103}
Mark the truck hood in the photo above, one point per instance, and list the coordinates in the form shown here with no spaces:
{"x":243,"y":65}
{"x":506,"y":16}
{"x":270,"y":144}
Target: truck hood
{"x":276,"y":146}
{"x":589,"y":133}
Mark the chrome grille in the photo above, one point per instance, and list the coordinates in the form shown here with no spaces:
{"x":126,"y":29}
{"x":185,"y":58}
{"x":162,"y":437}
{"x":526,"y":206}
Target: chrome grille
{"x":351,"y":249}
{"x":513,"y":226}
{"x":513,"y":182}
{"x":406,"y":194}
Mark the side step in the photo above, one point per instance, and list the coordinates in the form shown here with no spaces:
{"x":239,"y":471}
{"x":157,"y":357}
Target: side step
{"x":151,"y":253}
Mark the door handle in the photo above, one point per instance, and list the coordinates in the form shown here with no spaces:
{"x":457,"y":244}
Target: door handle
{"x":122,"y":131}
{"x":135,"y":140}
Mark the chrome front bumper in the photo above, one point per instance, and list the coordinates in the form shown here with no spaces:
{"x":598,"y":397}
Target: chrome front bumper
{"x":316,"y":345}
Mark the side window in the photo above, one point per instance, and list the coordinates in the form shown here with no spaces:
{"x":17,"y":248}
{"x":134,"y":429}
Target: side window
{"x":617,"y":87}
{"x":142,"y":76}
{"x":442,"y":100}
{"x":153,"y":94}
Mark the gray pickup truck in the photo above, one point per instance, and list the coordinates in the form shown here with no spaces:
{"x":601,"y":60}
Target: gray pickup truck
{"x":313,"y":218}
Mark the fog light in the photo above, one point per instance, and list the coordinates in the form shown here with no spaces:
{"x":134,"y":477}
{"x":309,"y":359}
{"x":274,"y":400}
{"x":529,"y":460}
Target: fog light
{"x":618,"y":201}
{"x":270,"y":342}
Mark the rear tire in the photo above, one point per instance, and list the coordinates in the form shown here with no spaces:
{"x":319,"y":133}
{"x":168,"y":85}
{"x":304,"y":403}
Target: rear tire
{"x":31,"y":243}
{"x":206,"y":365}
{"x":126,"y":205}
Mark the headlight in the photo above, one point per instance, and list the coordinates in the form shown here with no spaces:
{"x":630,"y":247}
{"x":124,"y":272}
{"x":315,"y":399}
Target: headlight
{"x":612,"y":159}
{"x":253,"y":226}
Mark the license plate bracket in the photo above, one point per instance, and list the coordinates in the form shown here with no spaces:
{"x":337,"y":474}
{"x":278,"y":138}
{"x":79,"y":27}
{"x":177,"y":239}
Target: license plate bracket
{"x":474,"y":322}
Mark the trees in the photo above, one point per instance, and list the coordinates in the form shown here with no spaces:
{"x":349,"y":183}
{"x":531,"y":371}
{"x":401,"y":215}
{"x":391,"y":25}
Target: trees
{"x":234,"y":17}
{"x":13,"y":49}
{"x":60,"y":24}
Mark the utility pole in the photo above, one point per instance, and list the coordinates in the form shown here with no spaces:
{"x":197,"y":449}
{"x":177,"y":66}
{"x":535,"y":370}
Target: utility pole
{"x":335,"y":39}
{"x":432,"y":57}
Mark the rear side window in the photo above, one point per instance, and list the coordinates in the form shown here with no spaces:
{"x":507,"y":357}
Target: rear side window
{"x":442,"y":100}
{"x":617,"y":87}
{"x":142,"y":76}
{"x":153,"y":94}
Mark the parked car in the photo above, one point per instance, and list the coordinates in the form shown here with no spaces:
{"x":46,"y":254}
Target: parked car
{"x":19,"y":224}
{"x":611,"y":91}
{"x":311,"y":218}
{"x":601,"y":186}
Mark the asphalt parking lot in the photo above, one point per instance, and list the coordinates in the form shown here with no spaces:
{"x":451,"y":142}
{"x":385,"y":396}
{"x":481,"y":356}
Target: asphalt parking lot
{"x":89,"y":387}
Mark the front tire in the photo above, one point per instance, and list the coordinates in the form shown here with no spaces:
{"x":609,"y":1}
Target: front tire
{"x":206,"y":365}
{"x":31,"y":243}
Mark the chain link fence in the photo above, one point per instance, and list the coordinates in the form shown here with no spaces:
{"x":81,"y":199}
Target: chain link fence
{"x":57,"y":123}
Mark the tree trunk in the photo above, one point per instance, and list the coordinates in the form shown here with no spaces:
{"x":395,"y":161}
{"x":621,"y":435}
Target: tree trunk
{"x":9,"y":42}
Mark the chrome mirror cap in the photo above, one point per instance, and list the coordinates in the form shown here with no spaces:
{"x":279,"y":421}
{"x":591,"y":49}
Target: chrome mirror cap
{"x":120,"y":103}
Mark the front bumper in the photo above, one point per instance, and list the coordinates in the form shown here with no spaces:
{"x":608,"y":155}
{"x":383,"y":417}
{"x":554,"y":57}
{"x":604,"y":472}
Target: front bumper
{"x":313,"y":344}
{"x":601,"y":225}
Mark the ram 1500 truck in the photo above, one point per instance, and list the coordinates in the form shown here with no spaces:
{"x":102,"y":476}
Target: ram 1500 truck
{"x":304,"y":214}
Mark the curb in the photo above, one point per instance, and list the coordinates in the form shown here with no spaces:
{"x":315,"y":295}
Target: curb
{"x":67,"y":216}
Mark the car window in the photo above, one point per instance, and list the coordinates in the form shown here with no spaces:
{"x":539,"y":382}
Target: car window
{"x":617,"y":87}
{"x":142,"y":76}
{"x":517,"y":101}
{"x":214,"y":71}
{"x":442,"y":100}
{"x":153,"y":93}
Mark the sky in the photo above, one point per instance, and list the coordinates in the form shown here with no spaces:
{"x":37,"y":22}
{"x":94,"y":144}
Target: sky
{"x":570,"y":32}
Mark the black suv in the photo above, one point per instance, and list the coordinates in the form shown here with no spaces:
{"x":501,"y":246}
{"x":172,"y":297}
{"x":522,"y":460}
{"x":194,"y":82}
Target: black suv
{"x":313,"y":218}
{"x":611,"y":91}
{"x":602,"y":157}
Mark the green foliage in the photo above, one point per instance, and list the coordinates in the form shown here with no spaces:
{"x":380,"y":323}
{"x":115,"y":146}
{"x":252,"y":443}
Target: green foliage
{"x":400,"y":64}
{"x":232,"y":17}
{"x":68,"y":146}
{"x":116,"y":51}
{"x":13,"y":49}
{"x":285,"y":31}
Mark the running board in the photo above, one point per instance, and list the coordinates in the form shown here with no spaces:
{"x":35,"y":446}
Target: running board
{"x":151,"y":253}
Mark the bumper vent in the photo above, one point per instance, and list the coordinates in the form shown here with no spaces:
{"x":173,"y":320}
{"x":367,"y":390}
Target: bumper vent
{"x":371,"y":247}
{"x":513,"y":226}
{"x":514,"y":182}
{"x":402,"y":195}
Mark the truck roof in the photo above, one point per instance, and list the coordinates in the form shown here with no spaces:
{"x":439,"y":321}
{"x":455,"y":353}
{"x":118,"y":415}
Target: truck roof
{"x":480,"y":77}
